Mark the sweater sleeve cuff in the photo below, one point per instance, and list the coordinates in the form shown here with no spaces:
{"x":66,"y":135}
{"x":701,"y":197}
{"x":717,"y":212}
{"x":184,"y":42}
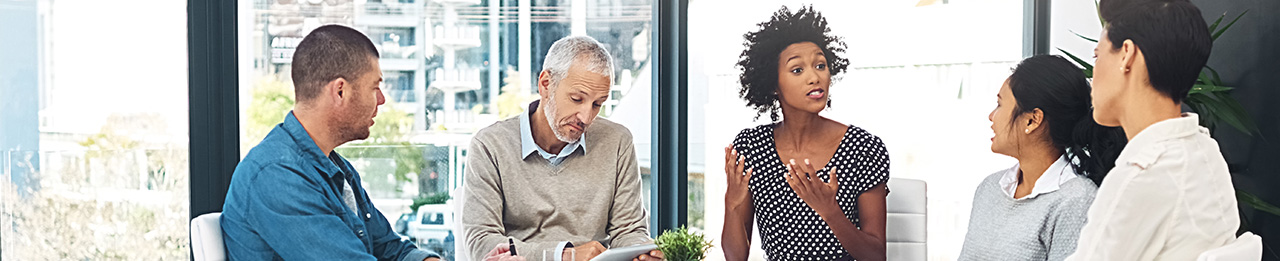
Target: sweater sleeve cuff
{"x":419,"y":255}
{"x":560,"y":249}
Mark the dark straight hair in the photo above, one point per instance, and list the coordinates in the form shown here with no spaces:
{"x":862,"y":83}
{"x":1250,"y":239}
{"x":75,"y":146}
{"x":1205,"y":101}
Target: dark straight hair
{"x":1059,"y":89}
{"x":1171,"y":34}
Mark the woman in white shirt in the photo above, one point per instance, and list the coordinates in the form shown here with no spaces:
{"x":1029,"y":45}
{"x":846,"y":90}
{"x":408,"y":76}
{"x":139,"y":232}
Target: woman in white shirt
{"x":1170,"y":196}
{"x":1035,"y":210}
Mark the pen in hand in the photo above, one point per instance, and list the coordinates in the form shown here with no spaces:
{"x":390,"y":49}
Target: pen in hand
{"x":511,"y":246}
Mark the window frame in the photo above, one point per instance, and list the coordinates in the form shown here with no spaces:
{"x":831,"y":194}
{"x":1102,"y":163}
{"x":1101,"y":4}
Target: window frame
{"x":1035,"y":27}
{"x":213,"y":102}
{"x":669,"y":204}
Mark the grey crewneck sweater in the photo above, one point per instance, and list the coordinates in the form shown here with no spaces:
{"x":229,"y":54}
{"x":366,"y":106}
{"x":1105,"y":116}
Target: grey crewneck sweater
{"x":591,"y":196}
{"x":1045,"y":227}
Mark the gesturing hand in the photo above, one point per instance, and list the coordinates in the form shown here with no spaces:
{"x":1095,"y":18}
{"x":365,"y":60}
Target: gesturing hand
{"x":737,"y":194}
{"x":820,"y":196}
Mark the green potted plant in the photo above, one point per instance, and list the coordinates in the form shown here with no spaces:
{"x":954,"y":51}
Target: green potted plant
{"x":683,"y":245}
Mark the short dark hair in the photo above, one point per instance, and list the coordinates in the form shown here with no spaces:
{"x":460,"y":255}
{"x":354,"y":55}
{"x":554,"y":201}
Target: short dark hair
{"x":1171,"y":34}
{"x":759,"y":62}
{"x":1060,"y":90}
{"x":329,"y":52}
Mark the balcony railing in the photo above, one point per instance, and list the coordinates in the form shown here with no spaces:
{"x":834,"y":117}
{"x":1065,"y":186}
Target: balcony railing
{"x":393,"y":50}
{"x":393,"y":9}
{"x":456,"y":80}
{"x":456,"y":37}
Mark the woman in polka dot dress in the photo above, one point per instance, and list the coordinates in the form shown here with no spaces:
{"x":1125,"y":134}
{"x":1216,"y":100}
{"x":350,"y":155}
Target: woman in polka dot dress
{"x":815,"y":186}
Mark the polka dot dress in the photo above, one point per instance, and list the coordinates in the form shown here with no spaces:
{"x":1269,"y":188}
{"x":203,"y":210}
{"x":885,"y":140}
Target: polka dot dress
{"x":789,"y":228}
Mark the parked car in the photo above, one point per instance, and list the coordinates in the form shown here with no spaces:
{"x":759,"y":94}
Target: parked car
{"x":431,"y":222}
{"x":401,"y":225}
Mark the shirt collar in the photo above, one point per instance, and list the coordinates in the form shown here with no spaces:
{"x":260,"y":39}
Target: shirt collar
{"x":1145,"y":148}
{"x":309,"y":150}
{"x":528,"y":146}
{"x":1052,"y":179}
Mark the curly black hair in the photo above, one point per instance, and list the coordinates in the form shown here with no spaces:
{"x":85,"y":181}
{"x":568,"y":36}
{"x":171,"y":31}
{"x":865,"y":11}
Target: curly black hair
{"x":759,"y":62}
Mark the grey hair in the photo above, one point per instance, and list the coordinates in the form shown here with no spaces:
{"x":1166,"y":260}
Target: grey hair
{"x":569,"y":50}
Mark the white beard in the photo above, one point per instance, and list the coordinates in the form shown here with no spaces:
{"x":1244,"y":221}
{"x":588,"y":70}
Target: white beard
{"x":550,"y":111}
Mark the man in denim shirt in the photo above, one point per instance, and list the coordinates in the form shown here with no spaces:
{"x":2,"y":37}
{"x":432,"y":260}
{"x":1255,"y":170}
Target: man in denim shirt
{"x":293,"y":197}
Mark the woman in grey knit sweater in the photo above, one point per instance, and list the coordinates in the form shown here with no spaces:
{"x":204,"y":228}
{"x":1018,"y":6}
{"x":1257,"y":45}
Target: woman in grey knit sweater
{"x":1035,"y":210}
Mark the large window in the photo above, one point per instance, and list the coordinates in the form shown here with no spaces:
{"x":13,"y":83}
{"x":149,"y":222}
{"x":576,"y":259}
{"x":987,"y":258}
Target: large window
{"x":923,"y":77}
{"x":450,"y":67}
{"x":93,"y":139}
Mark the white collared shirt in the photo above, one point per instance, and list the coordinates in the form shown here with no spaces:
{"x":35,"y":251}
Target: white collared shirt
{"x":1168,"y":198}
{"x":1052,"y":179}
{"x":528,"y":146}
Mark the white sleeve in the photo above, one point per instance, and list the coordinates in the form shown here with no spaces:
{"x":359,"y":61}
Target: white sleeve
{"x":1129,"y":217}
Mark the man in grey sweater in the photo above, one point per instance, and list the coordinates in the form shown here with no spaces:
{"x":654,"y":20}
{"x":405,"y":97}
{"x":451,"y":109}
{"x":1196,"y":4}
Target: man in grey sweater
{"x":556,"y":177}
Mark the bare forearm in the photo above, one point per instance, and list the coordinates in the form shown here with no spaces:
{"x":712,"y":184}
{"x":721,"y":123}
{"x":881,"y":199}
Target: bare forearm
{"x":859,"y":244}
{"x":736,"y":237}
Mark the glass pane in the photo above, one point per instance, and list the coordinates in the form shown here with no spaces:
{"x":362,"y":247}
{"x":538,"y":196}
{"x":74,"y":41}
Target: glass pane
{"x":93,"y":144}
{"x":450,"y":67}
{"x":923,"y":77}
{"x":1070,"y":18}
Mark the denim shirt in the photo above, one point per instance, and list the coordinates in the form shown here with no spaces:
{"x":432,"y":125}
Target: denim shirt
{"x":285,"y":203}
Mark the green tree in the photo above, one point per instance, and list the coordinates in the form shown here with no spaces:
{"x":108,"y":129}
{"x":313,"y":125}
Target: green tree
{"x":272,"y":99}
{"x":514,"y":96}
{"x":123,"y":197}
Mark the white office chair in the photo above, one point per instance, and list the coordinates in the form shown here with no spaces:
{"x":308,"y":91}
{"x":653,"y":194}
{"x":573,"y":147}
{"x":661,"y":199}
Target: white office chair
{"x":460,"y":250}
{"x":1246,"y":247}
{"x":206,"y":238}
{"x":905,"y":229}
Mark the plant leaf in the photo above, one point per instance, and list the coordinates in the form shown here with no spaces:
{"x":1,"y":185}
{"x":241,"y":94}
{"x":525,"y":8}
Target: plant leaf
{"x":1085,"y":37}
{"x":1237,"y":117}
{"x":1207,"y":88}
{"x":1256,"y":202}
{"x":1212,"y":109}
{"x":1098,"y":8}
{"x":1217,"y":80}
{"x":1204,"y":78}
{"x":1199,"y":103}
{"x":1224,"y":28}
{"x":1219,"y":106}
{"x":1214,"y":26}
{"x":682,"y":244}
{"x":1088,"y":67}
